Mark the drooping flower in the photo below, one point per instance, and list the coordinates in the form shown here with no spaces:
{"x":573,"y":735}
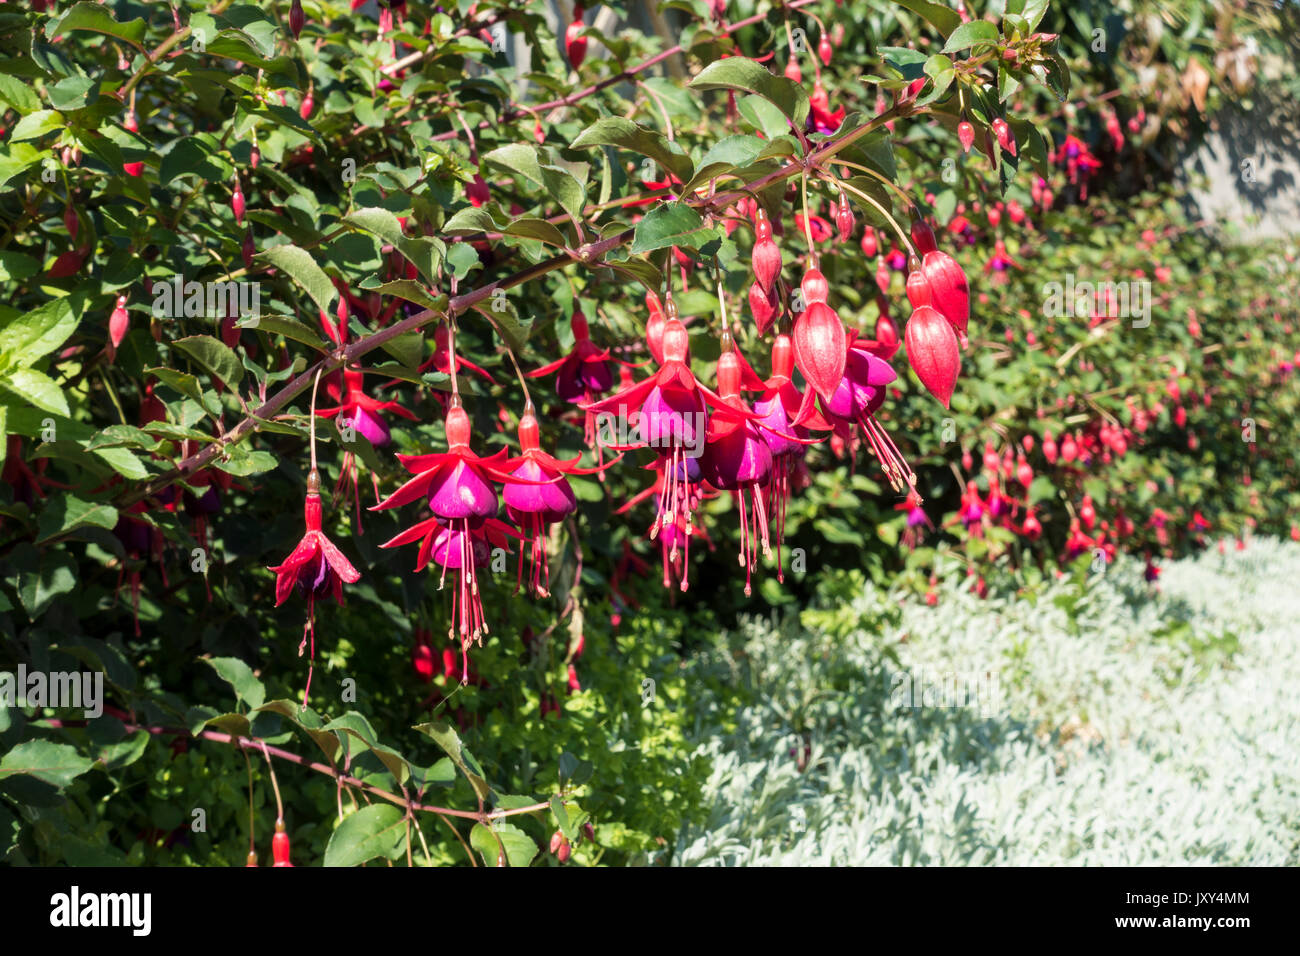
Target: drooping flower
{"x":778,"y":408}
{"x":581,"y":376}
{"x":670,"y":412}
{"x":535,"y":507}
{"x":917,"y":520}
{"x":458,"y":486}
{"x":820,"y":117}
{"x":819,"y":337}
{"x":859,"y":395}
{"x":933,"y":351}
{"x":361,"y":413}
{"x":737,"y":459}
{"x":315,"y":568}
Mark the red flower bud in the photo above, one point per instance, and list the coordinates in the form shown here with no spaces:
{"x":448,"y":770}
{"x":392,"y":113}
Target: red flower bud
{"x":247,"y":250}
{"x":933,"y":351}
{"x":119,"y":322}
{"x":918,"y":290}
{"x":575,"y":46}
{"x":949,"y":292}
{"x":825,"y":50}
{"x":766,"y":257}
{"x":280,"y":846}
{"x":1003,"y":133}
{"x":237,"y":206}
{"x":966,"y":135}
{"x":869,"y":244}
{"x":654,"y":327}
{"x":820,"y":347}
{"x":296,"y":18}
{"x":923,"y":237}
{"x":844,"y":218}
{"x":763,"y":306}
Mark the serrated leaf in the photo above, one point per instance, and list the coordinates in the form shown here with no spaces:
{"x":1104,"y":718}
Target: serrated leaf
{"x":240,"y":677}
{"x":97,"y":19}
{"x":668,"y":224}
{"x":739,"y":73}
{"x":51,"y":763}
{"x":215,"y":356}
{"x":520,"y":850}
{"x":622,"y":133}
{"x":378,"y":830}
{"x":299,"y":265}
{"x":970,"y":34}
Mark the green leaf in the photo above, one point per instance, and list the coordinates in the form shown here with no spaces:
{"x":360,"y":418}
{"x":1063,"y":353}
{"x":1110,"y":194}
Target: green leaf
{"x":215,"y":356}
{"x":18,"y":94}
{"x":969,"y":34}
{"x":726,"y":155}
{"x":519,"y":846}
{"x":37,"y":388}
{"x":539,"y":229}
{"x":763,"y":115}
{"x":624,"y":134}
{"x":739,"y":73}
{"x":522,"y":160}
{"x":462,"y":257}
{"x":40,"y":580}
{"x":446,"y":737}
{"x":96,"y":19}
{"x":942,"y":18}
{"x":378,"y":830}
{"x":283,"y":325}
{"x":240,"y":461}
{"x":668,"y":224}
{"x":940,"y":69}
{"x":240,"y":676}
{"x":192,"y":156}
{"x":37,"y":333}
{"x":424,"y":253}
{"x":55,"y":764}
{"x":299,"y":265}
{"x":67,"y":513}
{"x":35,"y":125}
{"x":412,"y":291}
{"x":470,"y":219}
{"x":306,"y":720}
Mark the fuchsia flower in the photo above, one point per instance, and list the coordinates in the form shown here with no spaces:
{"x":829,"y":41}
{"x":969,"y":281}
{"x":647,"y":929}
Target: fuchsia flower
{"x":458,"y":486}
{"x":821,"y":117}
{"x":670,"y":408}
{"x":738,"y":459}
{"x":546,"y":499}
{"x":315,"y":568}
{"x":855,"y":401}
{"x":362,"y":413}
{"x":779,"y":407}
{"x":580,"y":377}
{"x":917,"y":519}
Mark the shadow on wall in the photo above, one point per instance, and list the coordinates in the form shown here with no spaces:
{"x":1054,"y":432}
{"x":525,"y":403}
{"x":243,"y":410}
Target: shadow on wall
{"x":1245,"y":178}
